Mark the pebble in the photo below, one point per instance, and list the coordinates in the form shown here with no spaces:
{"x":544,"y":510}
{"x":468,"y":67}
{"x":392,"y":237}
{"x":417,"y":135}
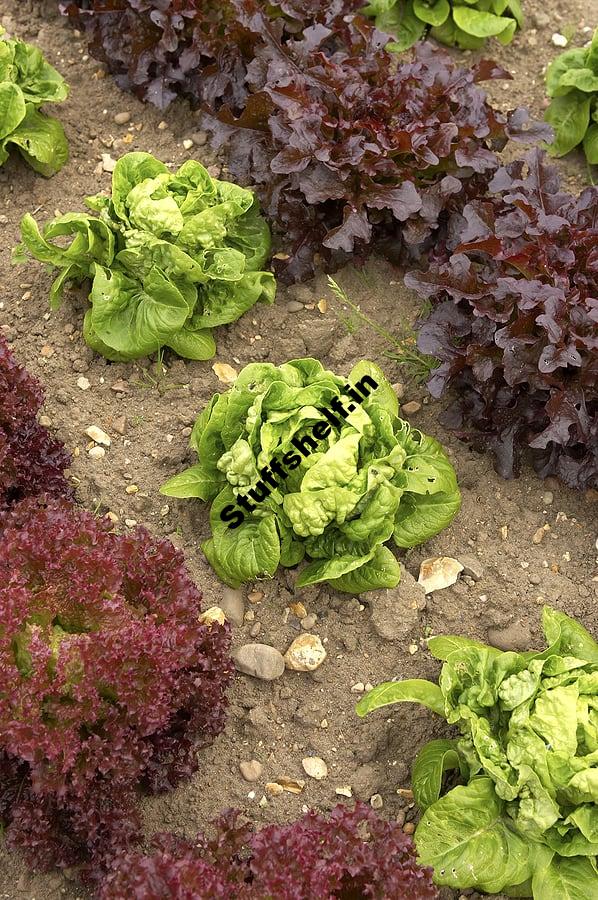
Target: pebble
{"x":408,"y":828}
{"x":515,"y":636}
{"x":358,"y":688}
{"x":294,"y":306}
{"x":395,"y":610}
{"x":97,"y":435}
{"x":97,"y":452}
{"x":539,"y":534}
{"x":255,"y":629}
{"x":233,"y":604}
{"x":376,"y":801}
{"x":410,"y":408}
{"x":251,"y":770}
{"x":120,"y":387}
{"x":559,"y":40}
{"x":305,"y":654}
{"x":83,"y":383}
{"x":438,"y":572}
{"x":199,"y":138}
{"x":472,"y":567}
{"x":108,"y":163}
{"x":547,"y":498}
{"x":315,"y":767}
{"x":120,"y":425}
{"x":309,"y":621}
{"x":45,"y":421}
{"x":211,"y":615}
{"x":187,"y":143}
{"x":122,"y":118}
{"x":259,"y":660}
{"x":344,"y":790}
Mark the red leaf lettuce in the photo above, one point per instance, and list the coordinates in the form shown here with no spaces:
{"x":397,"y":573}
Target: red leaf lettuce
{"x":515,"y":323}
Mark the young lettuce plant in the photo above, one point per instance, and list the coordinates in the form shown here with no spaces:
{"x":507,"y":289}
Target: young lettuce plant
{"x":347,"y":854}
{"x":572,"y":85}
{"x":464,"y":23}
{"x":32,"y":462}
{"x":170,"y":257}
{"x":298,"y":465}
{"x":108,"y":681}
{"x":26,"y":82}
{"x":525,"y":822}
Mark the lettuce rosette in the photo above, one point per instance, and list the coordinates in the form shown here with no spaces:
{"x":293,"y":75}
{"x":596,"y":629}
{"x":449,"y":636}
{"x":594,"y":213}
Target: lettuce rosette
{"x":170,"y":257}
{"x":26,"y":82}
{"x":524,"y":822}
{"x":344,"y":493}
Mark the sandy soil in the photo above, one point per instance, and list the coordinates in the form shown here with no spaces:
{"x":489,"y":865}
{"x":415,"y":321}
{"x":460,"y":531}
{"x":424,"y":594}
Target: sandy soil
{"x":148,"y":413}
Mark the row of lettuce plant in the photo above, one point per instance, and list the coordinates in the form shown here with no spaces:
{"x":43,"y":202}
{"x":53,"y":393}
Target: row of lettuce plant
{"x":351,"y":147}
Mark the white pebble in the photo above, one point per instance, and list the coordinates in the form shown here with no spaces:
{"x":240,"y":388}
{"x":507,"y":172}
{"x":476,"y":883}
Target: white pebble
{"x":83,"y":383}
{"x":559,"y":40}
{"x":97,"y":435}
{"x":97,"y":452}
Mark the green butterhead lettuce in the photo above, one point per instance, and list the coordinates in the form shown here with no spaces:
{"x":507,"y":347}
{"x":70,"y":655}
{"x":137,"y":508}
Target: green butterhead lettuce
{"x":170,"y":257}
{"x":525,"y":823}
{"x":370,"y":480}
{"x":572,"y":85}
{"x":27,"y":81}
{"x":464,"y":23}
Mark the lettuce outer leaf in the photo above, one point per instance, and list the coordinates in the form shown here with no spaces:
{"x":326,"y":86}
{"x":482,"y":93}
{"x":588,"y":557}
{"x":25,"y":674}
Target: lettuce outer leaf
{"x":468,"y":839}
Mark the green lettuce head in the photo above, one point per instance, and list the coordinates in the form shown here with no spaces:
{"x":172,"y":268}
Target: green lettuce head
{"x":525,"y":822}
{"x":170,"y":257}
{"x":462,"y":23}
{"x":27,"y":81}
{"x":299,"y":464}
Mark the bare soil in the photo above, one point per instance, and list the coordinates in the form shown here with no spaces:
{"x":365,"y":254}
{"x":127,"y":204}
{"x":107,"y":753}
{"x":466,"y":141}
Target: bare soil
{"x":148,"y":410}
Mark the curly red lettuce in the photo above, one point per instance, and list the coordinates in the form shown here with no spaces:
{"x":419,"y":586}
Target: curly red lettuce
{"x":108,"y":681}
{"x":515,"y":323}
{"x":32,"y":462}
{"x":347,"y":854}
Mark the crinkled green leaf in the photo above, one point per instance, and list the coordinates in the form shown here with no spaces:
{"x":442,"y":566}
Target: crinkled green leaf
{"x":468,"y":839}
{"x":566,"y":879}
{"x":432,"y":13}
{"x":569,"y":116}
{"x":481,"y":24}
{"x":570,"y":60}
{"x":41,"y":141}
{"x":381,"y":571}
{"x":432,"y":761}
{"x":12,"y":108}
{"x":590,"y":144}
{"x":414,"y":690}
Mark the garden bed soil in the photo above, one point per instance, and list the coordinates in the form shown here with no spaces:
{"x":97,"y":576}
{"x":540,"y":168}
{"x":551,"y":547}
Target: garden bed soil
{"x":149,"y":410}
